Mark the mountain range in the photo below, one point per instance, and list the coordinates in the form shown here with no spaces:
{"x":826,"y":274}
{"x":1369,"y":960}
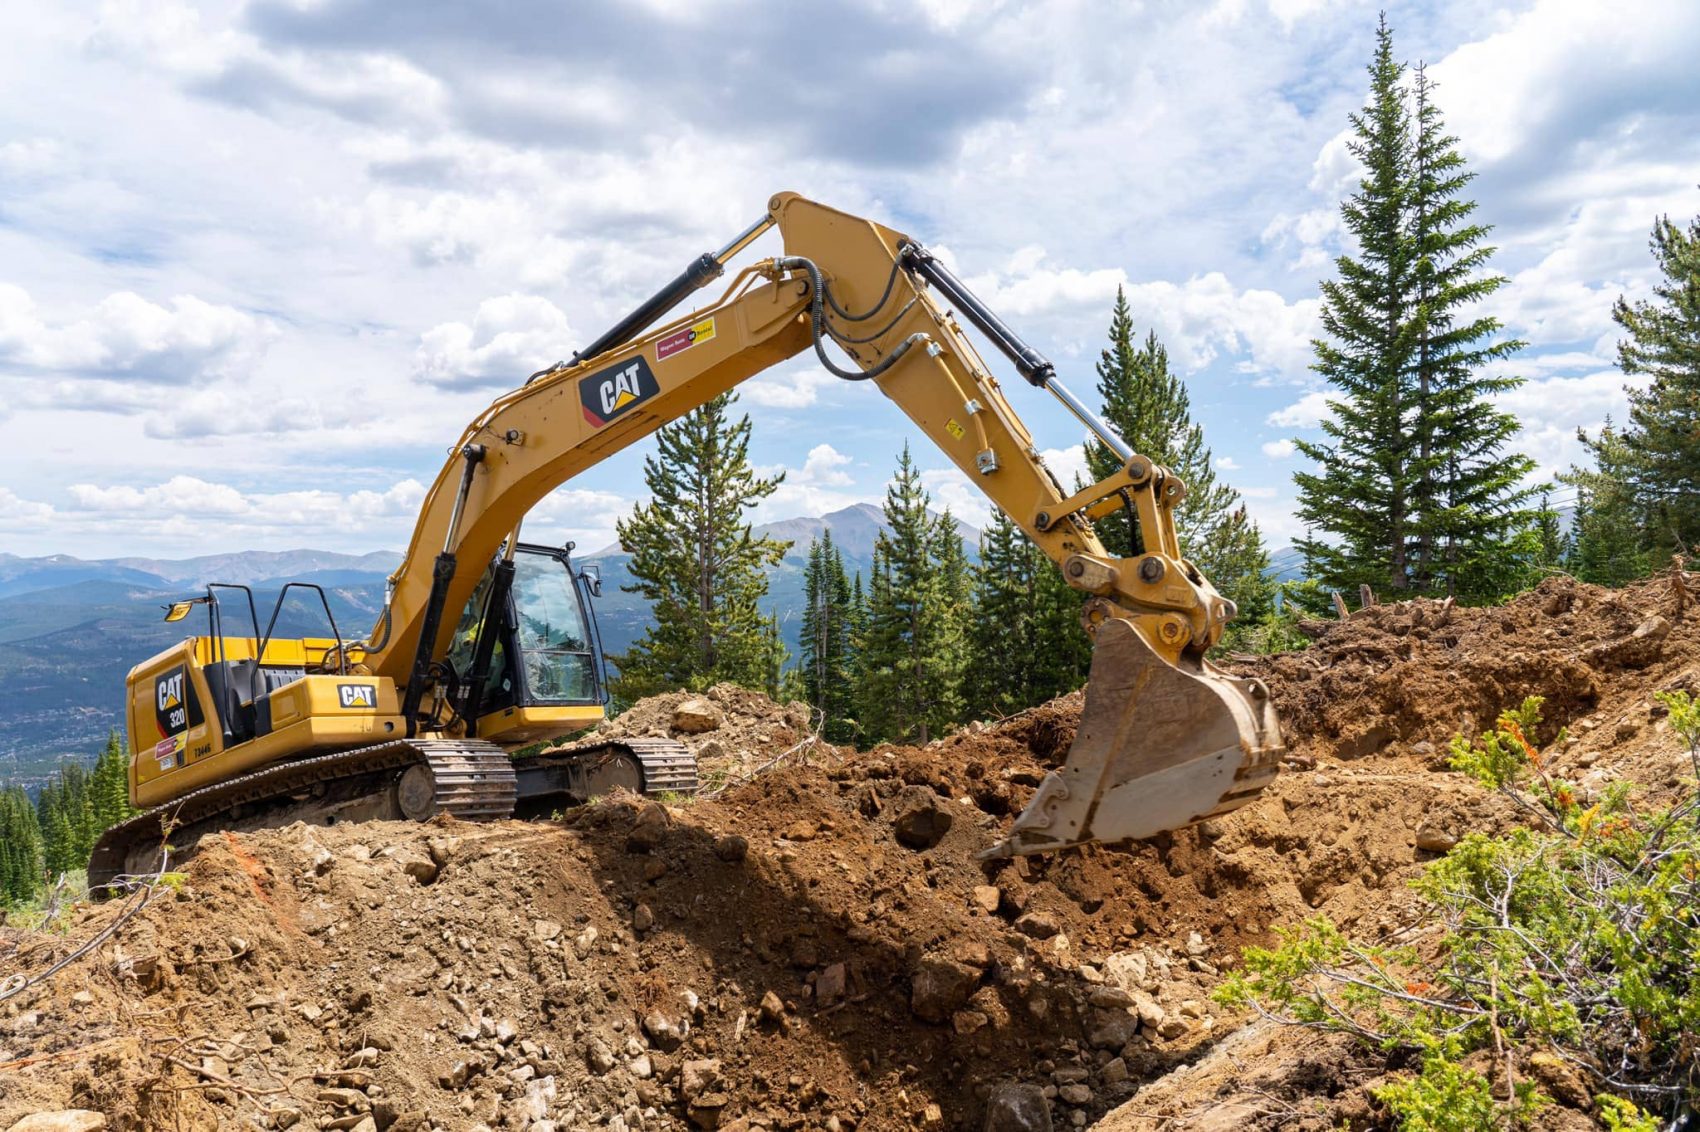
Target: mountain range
{"x":71,"y":628}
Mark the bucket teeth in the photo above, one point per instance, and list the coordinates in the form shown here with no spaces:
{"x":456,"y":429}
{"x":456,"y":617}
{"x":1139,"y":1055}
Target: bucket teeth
{"x":1160,"y":746}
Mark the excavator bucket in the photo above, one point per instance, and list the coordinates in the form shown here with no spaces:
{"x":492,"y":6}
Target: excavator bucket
{"x":1160,"y":746}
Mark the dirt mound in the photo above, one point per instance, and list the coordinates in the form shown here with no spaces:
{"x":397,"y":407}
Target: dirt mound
{"x":817,"y":947}
{"x":740,"y":730}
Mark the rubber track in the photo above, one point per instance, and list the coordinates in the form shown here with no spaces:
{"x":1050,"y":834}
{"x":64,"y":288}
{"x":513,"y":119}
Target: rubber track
{"x":474,"y":780}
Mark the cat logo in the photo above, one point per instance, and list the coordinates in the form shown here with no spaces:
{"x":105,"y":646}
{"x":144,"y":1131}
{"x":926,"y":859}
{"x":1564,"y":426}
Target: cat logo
{"x":607,"y":394}
{"x":357,"y":695}
{"x":175,"y":707}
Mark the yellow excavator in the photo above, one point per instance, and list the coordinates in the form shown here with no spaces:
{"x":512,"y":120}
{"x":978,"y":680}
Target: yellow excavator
{"x":486,"y":643}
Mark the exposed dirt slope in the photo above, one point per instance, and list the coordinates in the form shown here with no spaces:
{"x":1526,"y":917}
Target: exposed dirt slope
{"x":817,"y":947}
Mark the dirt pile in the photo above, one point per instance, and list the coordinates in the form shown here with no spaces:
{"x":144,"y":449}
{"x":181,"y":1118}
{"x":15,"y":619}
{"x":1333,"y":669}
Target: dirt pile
{"x":817,"y":947}
{"x":731,"y":730}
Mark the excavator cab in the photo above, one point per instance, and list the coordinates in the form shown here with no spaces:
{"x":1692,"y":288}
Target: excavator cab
{"x":543,"y":676}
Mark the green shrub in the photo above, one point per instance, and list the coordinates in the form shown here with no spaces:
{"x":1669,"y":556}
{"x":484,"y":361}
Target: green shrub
{"x":1579,"y":935}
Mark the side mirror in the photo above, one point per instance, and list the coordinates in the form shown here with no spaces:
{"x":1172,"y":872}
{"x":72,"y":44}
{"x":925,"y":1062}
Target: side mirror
{"x":592,"y":576}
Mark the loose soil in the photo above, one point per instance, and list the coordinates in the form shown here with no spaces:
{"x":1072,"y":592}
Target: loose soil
{"x":791,"y":953}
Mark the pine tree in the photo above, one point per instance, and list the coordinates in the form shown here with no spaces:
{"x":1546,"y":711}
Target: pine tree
{"x":1150,"y":409}
{"x":1361,"y":491}
{"x":20,"y":847}
{"x":1608,"y":531}
{"x":110,"y":786}
{"x":1026,"y":644}
{"x":912,"y":650}
{"x":1414,"y":489}
{"x":696,"y":560}
{"x":1549,"y":537}
{"x":1468,"y":513}
{"x":1661,"y":446}
{"x":827,"y":655}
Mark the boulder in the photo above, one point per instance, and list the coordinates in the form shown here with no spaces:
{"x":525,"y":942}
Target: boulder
{"x":918,"y":820}
{"x":941,"y":987}
{"x":696,"y":716}
{"x":1018,"y":1106}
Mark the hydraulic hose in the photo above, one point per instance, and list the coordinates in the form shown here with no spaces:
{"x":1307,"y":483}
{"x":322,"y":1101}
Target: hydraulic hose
{"x":819,"y":329}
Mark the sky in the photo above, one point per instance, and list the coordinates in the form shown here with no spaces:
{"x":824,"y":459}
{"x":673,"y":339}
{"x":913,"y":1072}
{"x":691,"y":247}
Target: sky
{"x":261,"y":260}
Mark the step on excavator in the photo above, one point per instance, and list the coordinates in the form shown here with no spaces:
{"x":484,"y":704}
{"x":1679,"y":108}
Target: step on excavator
{"x":487,"y":644}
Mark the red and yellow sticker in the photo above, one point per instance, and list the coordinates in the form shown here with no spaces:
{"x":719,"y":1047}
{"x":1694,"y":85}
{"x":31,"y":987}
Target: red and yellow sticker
{"x":681,"y":340}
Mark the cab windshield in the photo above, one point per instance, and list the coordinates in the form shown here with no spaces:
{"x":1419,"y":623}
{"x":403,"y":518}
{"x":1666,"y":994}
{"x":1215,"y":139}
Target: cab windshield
{"x":553,"y":639}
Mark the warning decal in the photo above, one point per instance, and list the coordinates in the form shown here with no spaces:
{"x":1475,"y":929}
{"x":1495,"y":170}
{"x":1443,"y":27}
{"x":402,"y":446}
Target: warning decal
{"x":682,"y":340}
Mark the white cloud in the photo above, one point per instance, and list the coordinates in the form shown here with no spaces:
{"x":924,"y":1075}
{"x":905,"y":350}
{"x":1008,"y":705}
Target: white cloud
{"x":1227,"y":463}
{"x":825,"y":466}
{"x":511,"y":337}
{"x":1278,"y":449}
{"x":949,"y":488}
{"x":796,"y":388}
{"x":1307,"y":412}
{"x":1068,"y":465}
{"x":125,"y":334}
{"x":22,"y":512}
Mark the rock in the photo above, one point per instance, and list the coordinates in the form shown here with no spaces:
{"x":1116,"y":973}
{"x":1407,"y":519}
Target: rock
{"x":1111,"y":1029}
{"x":985,"y":897}
{"x":1115,"y":1072}
{"x":647,"y":828}
{"x":974,"y":953}
{"x":968,"y":1021}
{"x":1039,"y":925}
{"x":941,"y":987}
{"x":64,"y":1120}
{"x":1017,"y":1106}
{"x":642,"y":918}
{"x":1128,"y":970}
{"x":1110,"y":998}
{"x":663,"y":1032}
{"x":1639,"y":649}
{"x":698,"y":1077}
{"x":642,"y":1067}
{"x":546,"y":930}
{"x":341,"y":1098}
{"x":363,"y":1058}
{"x":1192,"y":1008}
{"x":705,"y":1110}
{"x":1171,"y":1028}
{"x":598,"y":1056}
{"x":442,"y":849}
{"x":416,"y":863}
{"x":1195,"y":945}
{"x":932,"y":1117}
{"x":586,"y":941}
{"x":82,"y":998}
{"x":696,"y":716}
{"x":1151,"y":1015}
{"x":772,"y":1008}
{"x":1075,"y":1094}
{"x":829,"y":985}
{"x":731,"y":848}
{"x":456,"y":1075}
{"x":1432,"y":837}
{"x":918,"y":820}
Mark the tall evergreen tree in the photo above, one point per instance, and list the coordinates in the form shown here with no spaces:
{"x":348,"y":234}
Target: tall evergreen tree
{"x":1149,"y":408}
{"x":1661,"y":445}
{"x":1360,"y":493}
{"x":20,"y":847}
{"x":696,"y":560}
{"x":1468,"y":510}
{"x":912,"y":652}
{"x":110,"y":786}
{"x":826,"y":652}
{"x":1413,"y":488}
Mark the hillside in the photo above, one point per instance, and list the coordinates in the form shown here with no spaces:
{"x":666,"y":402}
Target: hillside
{"x":70,"y":629}
{"x":791,"y":955}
